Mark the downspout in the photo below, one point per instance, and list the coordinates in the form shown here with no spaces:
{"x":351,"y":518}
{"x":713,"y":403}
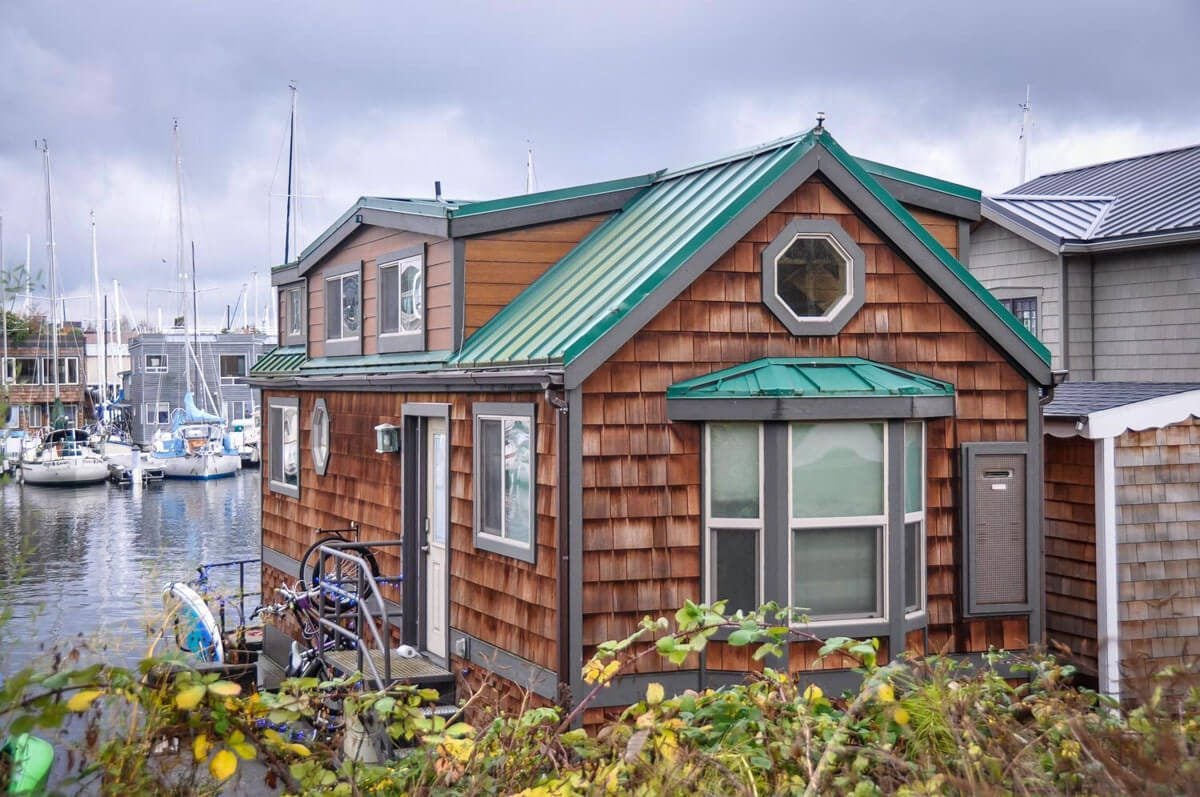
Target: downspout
{"x":1107,"y":618}
{"x":563,"y":541}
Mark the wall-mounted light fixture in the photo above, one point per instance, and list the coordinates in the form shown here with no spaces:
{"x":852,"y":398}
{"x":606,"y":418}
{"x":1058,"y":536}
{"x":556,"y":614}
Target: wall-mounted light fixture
{"x":387,"y":438}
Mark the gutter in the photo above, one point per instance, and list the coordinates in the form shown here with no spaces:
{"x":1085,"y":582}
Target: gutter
{"x":439,"y":381}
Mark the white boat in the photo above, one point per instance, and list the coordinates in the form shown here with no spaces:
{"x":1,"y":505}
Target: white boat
{"x":65,"y":459}
{"x":197,"y":447}
{"x":245,"y":434}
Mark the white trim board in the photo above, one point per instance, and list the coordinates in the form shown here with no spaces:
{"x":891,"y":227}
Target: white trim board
{"x":1152,"y":413}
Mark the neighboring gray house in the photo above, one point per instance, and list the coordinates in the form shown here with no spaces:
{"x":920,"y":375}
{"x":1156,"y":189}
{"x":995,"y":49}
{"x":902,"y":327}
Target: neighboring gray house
{"x":1114,"y":249}
{"x":158,"y":377}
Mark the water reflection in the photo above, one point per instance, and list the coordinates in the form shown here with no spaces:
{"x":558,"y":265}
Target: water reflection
{"x":90,"y":563}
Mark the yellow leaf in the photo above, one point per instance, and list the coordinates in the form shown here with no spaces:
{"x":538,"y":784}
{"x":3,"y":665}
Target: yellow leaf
{"x":299,"y":750}
{"x":813,"y":693}
{"x":244,"y":751}
{"x":225,"y":689}
{"x":82,"y":701}
{"x":901,"y":716}
{"x":223,"y":765}
{"x":654,"y":693}
{"x":272,"y":735}
{"x":189,"y":698}
{"x":200,"y":747}
{"x":886,"y":694}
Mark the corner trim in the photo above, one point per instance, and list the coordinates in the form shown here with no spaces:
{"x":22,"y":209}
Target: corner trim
{"x":1108,"y":627}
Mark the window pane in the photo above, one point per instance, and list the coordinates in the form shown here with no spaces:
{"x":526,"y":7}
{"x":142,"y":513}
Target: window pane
{"x":735,"y":568}
{"x":290,"y":429}
{"x":518,"y":480}
{"x":350,"y":316}
{"x":294,"y":312}
{"x":411,"y":298}
{"x":914,"y":473}
{"x":333,"y":309}
{"x":492,"y":489}
{"x":734,"y":480}
{"x":837,"y":470}
{"x":810,"y":277}
{"x":836,"y":571}
{"x":276,"y":442}
{"x":913,"y":556}
{"x":389,"y":314}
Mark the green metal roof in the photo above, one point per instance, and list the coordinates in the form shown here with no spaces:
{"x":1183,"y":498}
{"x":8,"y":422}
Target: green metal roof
{"x":556,"y":195}
{"x":822,"y":377}
{"x":279,"y":361}
{"x":876,"y":169}
{"x":624,"y":260}
{"x":603,"y":278}
{"x":376,"y":363}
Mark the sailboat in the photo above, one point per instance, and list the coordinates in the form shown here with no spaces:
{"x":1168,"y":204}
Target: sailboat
{"x":198,"y":445}
{"x":64,"y":457}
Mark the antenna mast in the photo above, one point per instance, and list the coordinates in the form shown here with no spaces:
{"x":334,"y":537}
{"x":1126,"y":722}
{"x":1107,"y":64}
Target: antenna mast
{"x":288,"y":233}
{"x":530,"y":177}
{"x":1026,"y":129}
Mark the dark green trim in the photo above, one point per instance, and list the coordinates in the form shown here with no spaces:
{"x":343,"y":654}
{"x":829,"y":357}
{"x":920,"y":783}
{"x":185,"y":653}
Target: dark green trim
{"x":522,"y":672}
{"x":823,"y":408}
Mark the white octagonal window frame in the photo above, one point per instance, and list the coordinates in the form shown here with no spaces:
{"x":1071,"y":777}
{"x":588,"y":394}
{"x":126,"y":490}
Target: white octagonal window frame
{"x":320,"y":437}
{"x":837,"y":316}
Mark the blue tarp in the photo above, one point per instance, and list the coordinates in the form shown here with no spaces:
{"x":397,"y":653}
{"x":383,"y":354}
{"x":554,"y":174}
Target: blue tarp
{"x":193,"y":414}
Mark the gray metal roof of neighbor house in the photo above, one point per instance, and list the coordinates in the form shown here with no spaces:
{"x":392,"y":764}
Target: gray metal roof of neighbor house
{"x":1154,"y":196}
{"x":1076,"y":399}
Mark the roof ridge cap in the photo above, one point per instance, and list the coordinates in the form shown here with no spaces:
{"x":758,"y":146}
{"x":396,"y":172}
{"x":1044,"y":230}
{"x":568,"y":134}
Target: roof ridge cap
{"x":745,"y":154}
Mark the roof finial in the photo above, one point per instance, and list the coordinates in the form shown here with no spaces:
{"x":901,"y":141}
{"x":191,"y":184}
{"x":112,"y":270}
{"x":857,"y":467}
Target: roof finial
{"x":820,"y":121}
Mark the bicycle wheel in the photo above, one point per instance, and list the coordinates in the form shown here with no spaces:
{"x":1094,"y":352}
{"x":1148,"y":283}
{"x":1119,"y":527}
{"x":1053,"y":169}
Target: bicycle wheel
{"x":346,"y":574}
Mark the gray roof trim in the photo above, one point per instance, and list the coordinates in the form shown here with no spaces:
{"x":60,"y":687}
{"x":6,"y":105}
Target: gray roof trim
{"x":1002,"y":217}
{"x":543,"y":213}
{"x":804,"y":409}
{"x":284,"y":275}
{"x":347,"y":224}
{"x":929,"y":199}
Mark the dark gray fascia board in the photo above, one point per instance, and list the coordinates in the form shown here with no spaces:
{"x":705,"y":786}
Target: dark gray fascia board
{"x":828,"y":408}
{"x":390,"y":219}
{"x":927,"y":199}
{"x":489,"y":381}
{"x":1139,"y":241}
{"x":542,"y":214}
{"x":458,"y":302}
{"x":598,"y":353}
{"x":286,"y":275}
{"x":523,"y":673}
{"x":1000,"y":216}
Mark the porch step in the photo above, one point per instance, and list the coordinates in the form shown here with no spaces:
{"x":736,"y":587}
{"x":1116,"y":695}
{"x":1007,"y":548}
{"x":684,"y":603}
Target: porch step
{"x":415,"y":671}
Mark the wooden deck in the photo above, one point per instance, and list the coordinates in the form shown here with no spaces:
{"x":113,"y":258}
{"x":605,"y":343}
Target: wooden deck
{"x":418,"y":670}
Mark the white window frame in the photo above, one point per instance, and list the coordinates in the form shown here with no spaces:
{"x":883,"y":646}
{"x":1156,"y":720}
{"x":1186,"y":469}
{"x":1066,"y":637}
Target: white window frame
{"x":486,"y":540}
{"x":294,"y":311}
{"x":341,"y":314}
{"x":277,"y":457}
{"x":415,"y":262}
{"x":713,"y":524}
{"x":794,"y":524}
{"x":10,"y":366}
{"x":65,"y":364}
{"x":155,"y":369}
{"x":243,"y":406}
{"x":919,"y":517}
{"x":847,"y":280}
{"x":153,"y":410}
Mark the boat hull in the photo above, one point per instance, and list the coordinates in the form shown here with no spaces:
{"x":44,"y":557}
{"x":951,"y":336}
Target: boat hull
{"x":65,"y":472}
{"x":199,"y":467}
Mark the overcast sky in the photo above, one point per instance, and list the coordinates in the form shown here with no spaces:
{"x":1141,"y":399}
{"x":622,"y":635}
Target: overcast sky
{"x":393,"y":96}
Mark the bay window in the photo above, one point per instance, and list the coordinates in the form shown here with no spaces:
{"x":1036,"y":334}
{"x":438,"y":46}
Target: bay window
{"x":734,"y":512}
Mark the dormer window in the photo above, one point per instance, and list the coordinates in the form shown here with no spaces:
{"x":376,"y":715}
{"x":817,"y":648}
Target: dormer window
{"x":342,"y":304}
{"x":402,"y":301}
{"x":813,"y":277}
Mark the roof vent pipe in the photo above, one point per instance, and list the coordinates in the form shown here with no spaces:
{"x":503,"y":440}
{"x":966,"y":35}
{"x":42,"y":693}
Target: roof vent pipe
{"x":437,"y":190}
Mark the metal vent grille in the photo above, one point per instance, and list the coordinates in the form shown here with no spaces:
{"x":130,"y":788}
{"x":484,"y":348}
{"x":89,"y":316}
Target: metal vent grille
{"x":999,"y":518}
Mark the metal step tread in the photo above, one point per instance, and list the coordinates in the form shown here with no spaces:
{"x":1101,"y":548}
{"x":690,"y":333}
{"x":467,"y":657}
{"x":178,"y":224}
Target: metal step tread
{"x":418,"y":670}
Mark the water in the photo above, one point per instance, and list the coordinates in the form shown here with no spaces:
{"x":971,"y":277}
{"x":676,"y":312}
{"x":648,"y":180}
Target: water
{"x":88,"y":564}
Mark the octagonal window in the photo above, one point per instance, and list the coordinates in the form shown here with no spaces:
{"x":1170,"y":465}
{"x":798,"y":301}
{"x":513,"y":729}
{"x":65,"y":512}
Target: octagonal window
{"x":813,"y":277}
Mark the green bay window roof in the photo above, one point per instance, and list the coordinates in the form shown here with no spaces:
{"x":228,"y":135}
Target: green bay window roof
{"x":823,"y":388}
{"x":279,"y":361}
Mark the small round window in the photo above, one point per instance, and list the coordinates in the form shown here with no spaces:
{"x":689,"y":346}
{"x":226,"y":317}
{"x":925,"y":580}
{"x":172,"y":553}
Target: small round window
{"x":320,"y":437}
{"x":813,"y":277}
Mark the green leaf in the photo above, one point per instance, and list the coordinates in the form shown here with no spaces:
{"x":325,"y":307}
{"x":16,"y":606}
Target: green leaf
{"x":742,"y":637}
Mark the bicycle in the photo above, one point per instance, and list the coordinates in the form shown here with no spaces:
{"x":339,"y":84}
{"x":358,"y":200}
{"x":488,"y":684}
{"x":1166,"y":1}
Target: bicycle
{"x":313,"y":564}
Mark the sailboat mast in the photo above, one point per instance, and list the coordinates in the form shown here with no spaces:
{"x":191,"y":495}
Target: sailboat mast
{"x":101,"y":325}
{"x":287,"y":225}
{"x":179,"y":272}
{"x":3,"y":314}
{"x":53,"y":270}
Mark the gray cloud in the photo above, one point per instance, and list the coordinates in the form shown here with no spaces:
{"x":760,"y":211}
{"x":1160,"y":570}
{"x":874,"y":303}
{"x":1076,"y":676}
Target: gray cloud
{"x":394,"y":96}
